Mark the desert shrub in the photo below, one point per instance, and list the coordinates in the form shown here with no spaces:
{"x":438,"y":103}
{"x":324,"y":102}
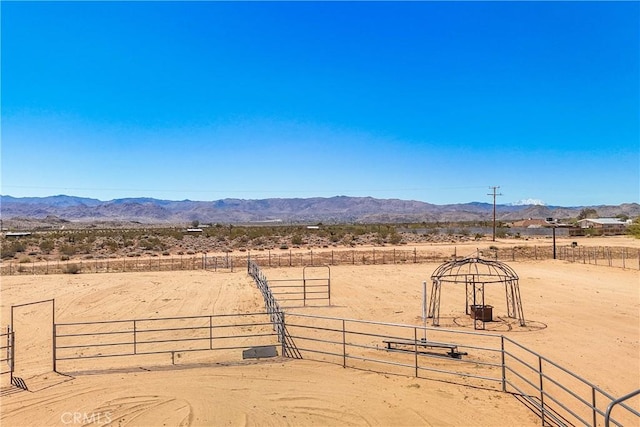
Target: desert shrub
{"x":112,"y":245}
{"x":10,"y":250}
{"x":84,"y":248}
{"x":588,"y":213}
{"x":348,"y":240}
{"x":72,"y":269}
{"x":634,"y":228}
{"x":7,"y":253}
{"x":335,"y":237}
{"x":151,"y":243}
{"x":68,"y":250}
{"x":47,"y":246}
{"x":395,"y":238}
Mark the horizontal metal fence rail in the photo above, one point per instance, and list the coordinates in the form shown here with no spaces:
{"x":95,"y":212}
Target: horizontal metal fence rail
{"x":215,"y":263}
{"x":113,"y":265}
{"x":621,"y":257}
{"x":558,"y":395}
{"x":303,"y":290}
{"x":609,"y":256}
{"x":344,"y":257}
{"x":364,"y":344}
{"x":85,"y":340}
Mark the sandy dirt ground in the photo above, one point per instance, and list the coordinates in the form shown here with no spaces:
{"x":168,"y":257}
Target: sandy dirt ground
{"x":584,"y":317}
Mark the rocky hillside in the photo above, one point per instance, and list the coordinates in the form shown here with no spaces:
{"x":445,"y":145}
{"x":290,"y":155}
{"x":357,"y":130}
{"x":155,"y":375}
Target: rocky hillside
{"x":339,"y":209}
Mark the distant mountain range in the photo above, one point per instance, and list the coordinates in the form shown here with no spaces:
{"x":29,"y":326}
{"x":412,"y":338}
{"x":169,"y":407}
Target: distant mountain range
{"x":338,"y":209}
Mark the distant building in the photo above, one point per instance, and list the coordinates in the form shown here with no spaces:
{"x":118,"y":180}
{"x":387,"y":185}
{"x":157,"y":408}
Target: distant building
{"x":17,"y":234}
{"x":603,"y":225}
{"x":529,"y":223}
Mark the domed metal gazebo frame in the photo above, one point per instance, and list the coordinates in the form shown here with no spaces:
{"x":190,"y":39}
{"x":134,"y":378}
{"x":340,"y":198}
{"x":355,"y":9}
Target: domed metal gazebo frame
{"x":475,"y":273}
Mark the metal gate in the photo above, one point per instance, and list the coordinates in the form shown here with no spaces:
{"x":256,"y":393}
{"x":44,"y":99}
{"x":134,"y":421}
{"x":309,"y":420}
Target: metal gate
{"x":32,"y":329}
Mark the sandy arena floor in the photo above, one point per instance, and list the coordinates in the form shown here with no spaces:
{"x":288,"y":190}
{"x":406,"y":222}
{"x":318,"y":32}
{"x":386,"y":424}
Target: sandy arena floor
{"x":585,"y":317}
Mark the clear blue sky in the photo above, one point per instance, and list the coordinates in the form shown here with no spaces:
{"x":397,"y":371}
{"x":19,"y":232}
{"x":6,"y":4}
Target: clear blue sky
{"x":430,"y":101}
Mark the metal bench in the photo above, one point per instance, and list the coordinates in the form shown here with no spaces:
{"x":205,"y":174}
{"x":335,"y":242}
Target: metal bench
{"x":401,"y":345}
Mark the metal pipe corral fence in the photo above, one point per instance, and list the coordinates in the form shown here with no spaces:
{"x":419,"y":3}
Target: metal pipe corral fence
{"x":620,"y":257}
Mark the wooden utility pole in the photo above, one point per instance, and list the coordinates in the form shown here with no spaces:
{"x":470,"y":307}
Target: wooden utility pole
{"x":494,"y":194}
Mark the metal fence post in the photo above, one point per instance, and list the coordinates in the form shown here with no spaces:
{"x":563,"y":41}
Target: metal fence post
{"x":607,"y":414}
{"x":10,"y":353}
{"x":504,"y":366}
{"x":135,"y":344}
{"x":13,"y":352}
{"x":211,"y":332}
{"x":415,"y":348}
{"x":541,"y":390}
{"x":9,"y":344}
{"x":282,"y":333}
{"x":55,"y":332}
{"x":344,"y":345}
{"x":593,"y":403}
